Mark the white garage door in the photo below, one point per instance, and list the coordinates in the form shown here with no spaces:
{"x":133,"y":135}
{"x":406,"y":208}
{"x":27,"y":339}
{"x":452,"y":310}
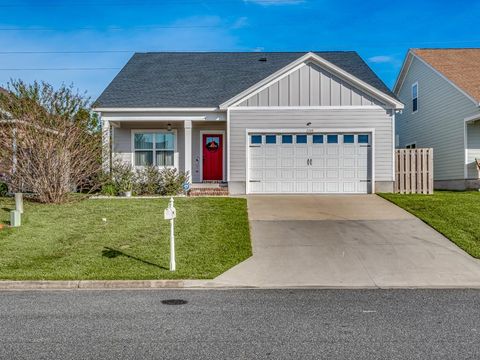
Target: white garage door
{"x":310,"y":163}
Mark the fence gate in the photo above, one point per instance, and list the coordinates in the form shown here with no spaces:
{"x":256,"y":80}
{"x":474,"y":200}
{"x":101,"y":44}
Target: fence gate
{"x":414,"y":171}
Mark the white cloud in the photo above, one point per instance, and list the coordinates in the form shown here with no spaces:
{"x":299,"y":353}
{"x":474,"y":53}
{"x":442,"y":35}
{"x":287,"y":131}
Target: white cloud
{"x":275,"y":2}
{"x":380,"y":59}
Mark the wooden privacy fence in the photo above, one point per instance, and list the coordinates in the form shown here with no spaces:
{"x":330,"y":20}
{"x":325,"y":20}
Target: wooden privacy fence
{"x":414,"y":171}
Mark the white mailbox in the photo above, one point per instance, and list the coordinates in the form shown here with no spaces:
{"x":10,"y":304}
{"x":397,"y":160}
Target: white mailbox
{"x":170,"y":213}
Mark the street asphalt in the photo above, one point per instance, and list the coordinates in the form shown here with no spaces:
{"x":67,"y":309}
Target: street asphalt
{"x":240,"y":324}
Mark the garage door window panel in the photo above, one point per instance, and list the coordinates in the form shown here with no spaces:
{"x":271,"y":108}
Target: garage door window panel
{"x":317,"y":139}
{"x":301,"y":139}
{"x":363,"y":139}
{"x":270,"y":139}
{"x":287,"y":139}
{"x":332,"y":139}
{"x":256,"y":139}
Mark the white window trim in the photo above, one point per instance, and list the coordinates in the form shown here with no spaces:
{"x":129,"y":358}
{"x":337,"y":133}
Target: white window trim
{"x":140,"y":131}
{"x":323,"y":131}
{"x":414,"y":84}
{"x":212,"y":132}
{"x":411,"y":144}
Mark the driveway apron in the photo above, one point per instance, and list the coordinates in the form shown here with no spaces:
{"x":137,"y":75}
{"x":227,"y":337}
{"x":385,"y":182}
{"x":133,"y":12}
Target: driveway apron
{"x":346,"y":241}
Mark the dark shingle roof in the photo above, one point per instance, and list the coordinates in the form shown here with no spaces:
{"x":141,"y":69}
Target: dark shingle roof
{"x":208,"y":79}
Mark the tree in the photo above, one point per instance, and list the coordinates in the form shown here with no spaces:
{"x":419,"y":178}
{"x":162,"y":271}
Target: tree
{"x":51,"y":140}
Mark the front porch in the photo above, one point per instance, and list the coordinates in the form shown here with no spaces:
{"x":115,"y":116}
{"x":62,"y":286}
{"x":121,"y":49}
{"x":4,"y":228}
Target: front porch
{"x":198,"y":147}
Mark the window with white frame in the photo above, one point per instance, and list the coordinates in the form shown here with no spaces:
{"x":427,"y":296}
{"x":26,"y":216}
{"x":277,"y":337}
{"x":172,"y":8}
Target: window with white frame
{"x":415,"y":97}
{"x":411,"y":146}
{"x":155,"y":148}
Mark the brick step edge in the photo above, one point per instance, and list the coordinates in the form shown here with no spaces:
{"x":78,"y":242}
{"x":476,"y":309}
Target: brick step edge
{"x":208,"y":192}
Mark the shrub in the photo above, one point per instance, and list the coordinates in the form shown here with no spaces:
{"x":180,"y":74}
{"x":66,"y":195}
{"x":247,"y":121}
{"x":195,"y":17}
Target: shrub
{"x":57,"y":140}
{"x":109,"y":189}
{"x":172,"y":181}
{"x":148,"y":181}
{"x":123,"y":176}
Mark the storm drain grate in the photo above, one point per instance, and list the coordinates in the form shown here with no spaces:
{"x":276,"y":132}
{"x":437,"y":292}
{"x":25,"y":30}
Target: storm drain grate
{"x":174,"y":302}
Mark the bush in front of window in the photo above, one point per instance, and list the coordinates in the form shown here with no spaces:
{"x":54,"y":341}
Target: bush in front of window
{"x":148,"y":181}
{"x":123,"y":177}
{"x":172,"y":181}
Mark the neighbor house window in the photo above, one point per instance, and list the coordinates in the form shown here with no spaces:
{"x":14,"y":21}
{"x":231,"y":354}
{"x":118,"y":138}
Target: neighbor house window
{"x":154,"y":148}
{"x":411,"y":146}
{"x":415,"y":97}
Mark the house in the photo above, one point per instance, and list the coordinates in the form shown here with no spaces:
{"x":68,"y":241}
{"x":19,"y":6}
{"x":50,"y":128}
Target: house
{"x":441,"y":92}
{"x":279,"y":122}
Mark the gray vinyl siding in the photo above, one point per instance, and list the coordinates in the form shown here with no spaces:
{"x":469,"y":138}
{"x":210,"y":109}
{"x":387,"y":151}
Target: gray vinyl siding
{"x":241,"y":120}
{"x":473,"y":149}
{"x":310,"y":85}
{"x":439,"y":121}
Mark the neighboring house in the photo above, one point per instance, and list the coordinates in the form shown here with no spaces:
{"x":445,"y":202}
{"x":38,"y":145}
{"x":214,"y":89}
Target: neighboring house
{"x":441,"y":92}
{"x":289,"y":122}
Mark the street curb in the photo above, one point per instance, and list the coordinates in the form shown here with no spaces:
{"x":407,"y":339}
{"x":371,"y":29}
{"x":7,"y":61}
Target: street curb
{"x":102,"y":284}
{"x":189,"y":284}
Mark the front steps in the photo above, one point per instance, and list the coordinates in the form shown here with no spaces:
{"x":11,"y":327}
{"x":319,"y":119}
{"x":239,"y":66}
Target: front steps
{"x":209,"y":189}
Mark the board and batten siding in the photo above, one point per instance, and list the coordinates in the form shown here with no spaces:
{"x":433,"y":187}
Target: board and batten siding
{"x":309,"y":85}
{"x":439,"y":121}
{"x":378,"y":119}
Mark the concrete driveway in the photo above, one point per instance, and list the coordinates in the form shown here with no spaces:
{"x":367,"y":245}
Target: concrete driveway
{"x":346,"y":241}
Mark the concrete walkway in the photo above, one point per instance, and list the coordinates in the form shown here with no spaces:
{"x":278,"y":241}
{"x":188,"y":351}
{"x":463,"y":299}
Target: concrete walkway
{"x":346,"y":241}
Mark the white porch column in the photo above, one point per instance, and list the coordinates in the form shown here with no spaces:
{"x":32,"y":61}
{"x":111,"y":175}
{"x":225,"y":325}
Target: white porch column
{"x":188,"y":148}
{"x":106,"y":145}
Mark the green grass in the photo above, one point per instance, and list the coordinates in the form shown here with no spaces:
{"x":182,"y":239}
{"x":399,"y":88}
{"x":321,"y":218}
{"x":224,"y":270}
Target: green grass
{"x":454,"y":214}
{"x":72,"y":242}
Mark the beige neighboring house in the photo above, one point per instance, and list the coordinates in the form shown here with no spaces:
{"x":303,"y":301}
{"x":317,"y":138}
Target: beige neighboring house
{"x":441,"y":92}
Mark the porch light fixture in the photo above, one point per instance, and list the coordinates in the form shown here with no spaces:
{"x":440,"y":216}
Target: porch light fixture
{"x":169,"y":127}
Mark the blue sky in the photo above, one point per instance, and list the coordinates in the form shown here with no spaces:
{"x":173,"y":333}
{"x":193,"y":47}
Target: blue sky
{"x":53,"y":34}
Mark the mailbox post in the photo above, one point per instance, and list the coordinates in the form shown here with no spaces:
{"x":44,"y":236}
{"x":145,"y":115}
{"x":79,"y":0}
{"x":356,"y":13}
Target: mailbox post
{"x":170,"y":214}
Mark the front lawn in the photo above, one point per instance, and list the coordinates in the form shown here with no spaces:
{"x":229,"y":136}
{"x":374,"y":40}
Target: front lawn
{"x":454,"y":214}
{"x":72,"y":241}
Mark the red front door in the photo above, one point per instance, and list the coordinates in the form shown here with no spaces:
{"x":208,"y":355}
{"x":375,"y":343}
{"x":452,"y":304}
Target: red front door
{"x":212,"y":149}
